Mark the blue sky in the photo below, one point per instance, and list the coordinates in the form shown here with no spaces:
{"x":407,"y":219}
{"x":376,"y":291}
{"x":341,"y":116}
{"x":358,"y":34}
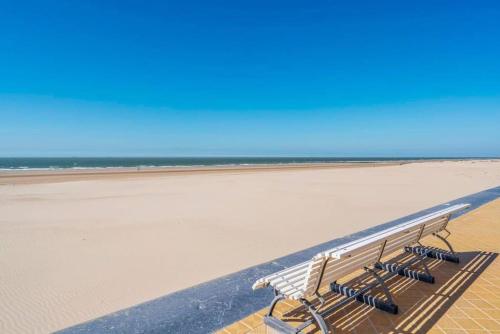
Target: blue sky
{"x":176,"y":78}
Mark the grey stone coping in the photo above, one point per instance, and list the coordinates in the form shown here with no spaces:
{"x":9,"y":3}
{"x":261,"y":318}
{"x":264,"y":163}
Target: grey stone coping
{"x":215,"y":304}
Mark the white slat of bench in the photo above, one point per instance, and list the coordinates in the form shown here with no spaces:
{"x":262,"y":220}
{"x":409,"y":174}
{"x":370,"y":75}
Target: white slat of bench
{"x":291,"y":289}
{"x":397,"y":237}
{"x":337,"y":268}
{"x":346,"y":267}
{"x":408,"y":236}
{"x":300,"y":276}
{"x":366,"y":242}
{"x":290,"y":274}
{"x":365,"y":256}
{"x":292,"y":278}
{"x":400,"y":227}
{"x":355,"y":261}
{"x":391,"y":247}
{"x":285,"y":272}
{"x":394,"y":243}
{"x":281,"y":275}
{"x":296,"y":295}
{"x":313,"y":272}
{"x":433,"y":228}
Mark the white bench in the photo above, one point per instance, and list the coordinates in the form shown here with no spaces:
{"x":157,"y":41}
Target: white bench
{"x":303,"y":281}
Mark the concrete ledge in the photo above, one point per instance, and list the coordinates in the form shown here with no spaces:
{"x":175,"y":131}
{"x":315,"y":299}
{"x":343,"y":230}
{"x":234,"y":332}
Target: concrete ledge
{"x":215,"y":304}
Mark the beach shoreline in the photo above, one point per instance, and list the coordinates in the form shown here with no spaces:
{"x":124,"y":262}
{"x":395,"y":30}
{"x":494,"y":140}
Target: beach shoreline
{"x":15,"y":176}
{"x":33,"y":175}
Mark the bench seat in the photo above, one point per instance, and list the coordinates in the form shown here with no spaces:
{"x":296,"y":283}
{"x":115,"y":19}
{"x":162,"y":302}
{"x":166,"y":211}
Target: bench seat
{"x":304,"y":280}
{"x":292,"y":281}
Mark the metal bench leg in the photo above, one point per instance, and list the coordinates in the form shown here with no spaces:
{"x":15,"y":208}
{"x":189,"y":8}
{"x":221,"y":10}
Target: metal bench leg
{"x":387,"y":293}
{"x":277,"y":298}
{"x":443,"y":239}
{"x":283,"y":327}
{"x":434,"y":253}
{"x":421,"y":259}
{"x":316,"y":315}
{"x":274,"y":322}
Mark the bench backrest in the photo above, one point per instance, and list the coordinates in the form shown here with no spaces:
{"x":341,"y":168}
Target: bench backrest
{"x":340,"y":261}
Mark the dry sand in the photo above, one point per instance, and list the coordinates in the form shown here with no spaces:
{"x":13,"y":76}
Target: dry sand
{"x":74,"y":248}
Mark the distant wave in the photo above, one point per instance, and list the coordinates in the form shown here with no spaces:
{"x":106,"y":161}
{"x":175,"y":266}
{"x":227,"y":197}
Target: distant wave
{"x":30,"y":164}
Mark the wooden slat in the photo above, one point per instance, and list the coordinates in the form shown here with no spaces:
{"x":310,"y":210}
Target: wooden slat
{"x":288,"y":270}
{"x":267,"y":280}
{"x":290,"y":280}
{"x":291,"y":274}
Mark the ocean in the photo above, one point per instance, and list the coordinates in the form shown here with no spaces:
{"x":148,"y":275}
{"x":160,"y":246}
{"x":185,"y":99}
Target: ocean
{"x":117,"y":162}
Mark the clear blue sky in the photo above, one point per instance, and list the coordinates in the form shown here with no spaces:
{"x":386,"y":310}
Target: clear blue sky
{"x":175,"y":78}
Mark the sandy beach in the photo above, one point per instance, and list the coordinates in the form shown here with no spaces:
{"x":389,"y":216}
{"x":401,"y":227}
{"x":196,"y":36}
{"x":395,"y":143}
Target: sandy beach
{"x":76,"y":247}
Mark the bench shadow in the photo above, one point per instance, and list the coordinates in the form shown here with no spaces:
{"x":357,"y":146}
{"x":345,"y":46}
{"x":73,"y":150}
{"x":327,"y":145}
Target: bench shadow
{"x":420,"y":304}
